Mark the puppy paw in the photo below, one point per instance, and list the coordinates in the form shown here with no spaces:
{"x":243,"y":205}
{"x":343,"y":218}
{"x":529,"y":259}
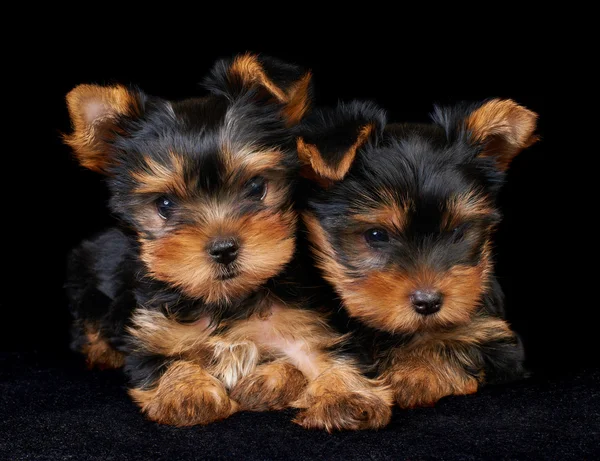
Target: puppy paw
{"x":272,"y":386}
{"x":185,"y":395}
{"x":98,"y":353}
{"x":423,"y":387}
{"x":349,"y":410}
{"x":344,"y":400}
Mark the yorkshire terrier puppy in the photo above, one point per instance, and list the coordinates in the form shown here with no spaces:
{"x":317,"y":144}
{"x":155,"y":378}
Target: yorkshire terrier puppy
{"x":400,"y":218}
{"x":194,"y":293}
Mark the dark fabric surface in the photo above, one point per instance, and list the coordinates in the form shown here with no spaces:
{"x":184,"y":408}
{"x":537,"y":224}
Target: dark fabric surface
{"x":52,"y":408}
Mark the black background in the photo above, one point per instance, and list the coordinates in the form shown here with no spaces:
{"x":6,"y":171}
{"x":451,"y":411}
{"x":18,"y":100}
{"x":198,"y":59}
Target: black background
{"x":51,"y":203}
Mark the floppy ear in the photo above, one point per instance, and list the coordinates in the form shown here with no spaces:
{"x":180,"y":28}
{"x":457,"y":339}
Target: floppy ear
{"x":95,"y":112}
{"x":272,"y":80}
{"x":329,"y":138}
{"x":501,"y":127}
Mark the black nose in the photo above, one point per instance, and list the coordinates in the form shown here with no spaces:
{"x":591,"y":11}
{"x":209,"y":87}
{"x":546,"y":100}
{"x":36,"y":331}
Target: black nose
{"x":224,"y":251}
{"x":426,"y":302}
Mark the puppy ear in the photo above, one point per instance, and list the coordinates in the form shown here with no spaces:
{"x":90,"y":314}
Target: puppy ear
{"x":270,"y":79}
{"x":501,"y":127}
{"x":329,"y":138}
{"x":95,"y":113}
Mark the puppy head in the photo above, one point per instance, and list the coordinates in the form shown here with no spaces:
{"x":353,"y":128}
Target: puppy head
{"x":400,"y":217}
{"x":205,"y":183}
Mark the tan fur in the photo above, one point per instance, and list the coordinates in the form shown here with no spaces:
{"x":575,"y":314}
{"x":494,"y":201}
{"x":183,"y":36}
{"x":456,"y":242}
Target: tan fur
{"x":389,"y":216}
{"x":248,"y":69}
{"x":433,"y":364}
{"x":307,"y":172}
{"x":280,"y":332}
{"x":232,"y":360}
{"x":303,"y":338}
{"x":250,"y":161}
{"x":272,"y":386}
{"x":293,"y":346}
{"x":381,"y":299}
{"x":184,"y":396}
{"x":157,"y":178}
{"x":99,"y":353}
{"x":309,"y":154}
{"x":385,"y":214}
{"x":280,"y":326}
{"x":162,"y":335}
{"x":92,"y":109}
{"x":244,"y":163}
{"x":227,"y":357}
{"x":340,"y":397}
{"x":296,"y":98}
{"x":180,"y":258}
{"x":422,"y":380}
{"x":465,"y":207}
{"x":482,"y":329}
{"x":504,"y":127}
{"x":325,"y":255}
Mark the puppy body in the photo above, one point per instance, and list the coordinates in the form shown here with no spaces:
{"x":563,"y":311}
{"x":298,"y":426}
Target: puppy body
{"x":400,"y":219}
{"x":193,"y":294}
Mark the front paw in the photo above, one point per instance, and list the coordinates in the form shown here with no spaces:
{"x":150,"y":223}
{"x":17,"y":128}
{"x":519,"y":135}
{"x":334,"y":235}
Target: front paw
{"x":340,"y":408}
{"x":423,"y":388}
{"x":185,"y":395}
{"x":272,"y":386}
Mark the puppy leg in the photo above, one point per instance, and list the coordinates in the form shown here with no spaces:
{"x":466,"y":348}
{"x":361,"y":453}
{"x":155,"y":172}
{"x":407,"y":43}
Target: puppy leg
{"x":422,"y":378}
{"x":100,"y":315}
{"x":453,"y":362}
{"x":339,"y":397}
{"x":272,"y":386}
{"x":98,"y":351}
{"x":90,"y":334}
{"x":504,"y":359}
{"x":185,"y":395}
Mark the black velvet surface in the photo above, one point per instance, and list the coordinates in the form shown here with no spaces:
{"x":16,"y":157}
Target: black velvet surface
{"x":52,"y":408}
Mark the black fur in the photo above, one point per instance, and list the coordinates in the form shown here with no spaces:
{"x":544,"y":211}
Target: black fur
{"x":100,"y":281}
{"x":220,"y":82}
{"x":333,"y":132}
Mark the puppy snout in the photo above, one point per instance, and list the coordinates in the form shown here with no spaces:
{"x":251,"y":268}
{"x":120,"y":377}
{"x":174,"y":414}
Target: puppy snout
{"x":426,"y":302}
{"x":224,"y":250}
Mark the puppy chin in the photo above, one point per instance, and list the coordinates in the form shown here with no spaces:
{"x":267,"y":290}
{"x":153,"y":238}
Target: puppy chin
{"x":229,"y":273}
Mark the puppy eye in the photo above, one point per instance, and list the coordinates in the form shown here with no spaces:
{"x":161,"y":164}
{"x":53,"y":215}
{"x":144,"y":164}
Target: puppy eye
{"x":165,"y":207}
{"x":458,"y":233}
{"x":376,"y":236}
{"x":256,"y":188}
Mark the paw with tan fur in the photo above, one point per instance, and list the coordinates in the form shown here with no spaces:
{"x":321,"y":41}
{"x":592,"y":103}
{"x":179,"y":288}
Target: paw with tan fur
{"x":272,"y":386}
{"x":99,"y":354}
{"x":331,"y":404}
{"x":423,"y":386}
{"x":185,"y":395}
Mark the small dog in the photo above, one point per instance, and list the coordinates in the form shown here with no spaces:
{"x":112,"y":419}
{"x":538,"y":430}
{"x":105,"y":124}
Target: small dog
{"x":194,"y":294}
{"x":400,"y":219}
